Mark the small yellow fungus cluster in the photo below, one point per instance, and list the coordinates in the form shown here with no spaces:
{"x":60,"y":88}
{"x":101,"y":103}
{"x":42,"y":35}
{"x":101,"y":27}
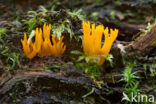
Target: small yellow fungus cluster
{"x":92,"y":41}
{"x":43,"y":44}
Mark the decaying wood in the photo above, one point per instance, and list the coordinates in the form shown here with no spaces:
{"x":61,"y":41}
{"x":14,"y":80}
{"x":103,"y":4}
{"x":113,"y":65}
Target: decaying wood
{"x":67,"y":83}
{"x":144,"y":44}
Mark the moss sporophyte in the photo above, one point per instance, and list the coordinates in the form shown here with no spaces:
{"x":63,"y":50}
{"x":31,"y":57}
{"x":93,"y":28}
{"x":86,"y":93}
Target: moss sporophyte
{"x":92,"y":41}
{"x":42,"y":44}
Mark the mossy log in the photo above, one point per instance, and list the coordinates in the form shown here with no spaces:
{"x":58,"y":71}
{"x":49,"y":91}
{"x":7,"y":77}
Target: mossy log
{"x":144,"y":44}
{"x":63,"y":87}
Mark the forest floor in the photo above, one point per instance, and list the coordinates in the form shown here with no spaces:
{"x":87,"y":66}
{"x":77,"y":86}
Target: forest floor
{"x":69,"y":79}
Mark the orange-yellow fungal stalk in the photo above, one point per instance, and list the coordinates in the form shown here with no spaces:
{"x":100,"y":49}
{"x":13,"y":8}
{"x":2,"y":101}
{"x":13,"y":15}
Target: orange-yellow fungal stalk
{"x":92,"y":41}
{"x":42,"y":44}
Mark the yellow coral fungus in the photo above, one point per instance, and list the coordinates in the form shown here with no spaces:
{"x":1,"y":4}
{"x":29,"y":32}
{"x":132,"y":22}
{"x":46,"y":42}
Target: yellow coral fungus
{"x":92,"y":41}
{"x":42,"y":44}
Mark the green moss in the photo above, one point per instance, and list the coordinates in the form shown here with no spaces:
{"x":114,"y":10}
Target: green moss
{"x":3,"y":31}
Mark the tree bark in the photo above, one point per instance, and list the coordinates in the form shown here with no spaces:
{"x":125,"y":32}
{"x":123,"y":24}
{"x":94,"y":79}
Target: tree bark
{"x":144,"y":44}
